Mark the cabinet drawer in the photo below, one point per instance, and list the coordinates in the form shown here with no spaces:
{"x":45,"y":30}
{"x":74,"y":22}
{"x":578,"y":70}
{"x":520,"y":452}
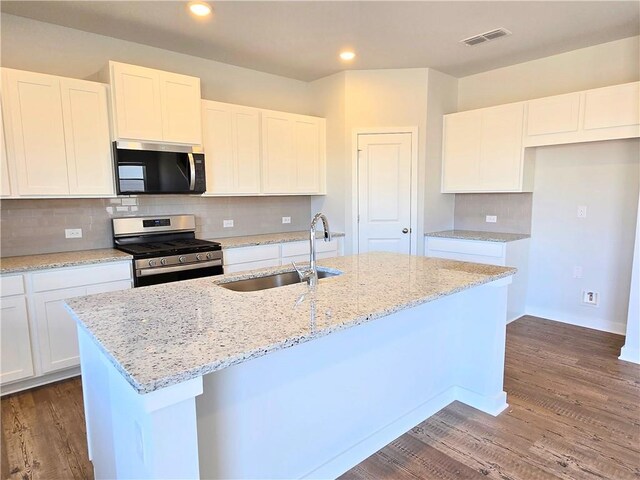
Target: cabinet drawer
{"x":251,"y":254}
{"x":13,"y":285}
{"x":81,"y":276}
{"x":468,"y":247}
{"x":291,"y":249}
{"x":241,"y":267}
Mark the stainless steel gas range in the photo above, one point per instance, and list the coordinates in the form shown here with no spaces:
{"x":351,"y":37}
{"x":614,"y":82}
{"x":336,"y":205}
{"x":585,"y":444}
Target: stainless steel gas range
{"x":165,"y":249}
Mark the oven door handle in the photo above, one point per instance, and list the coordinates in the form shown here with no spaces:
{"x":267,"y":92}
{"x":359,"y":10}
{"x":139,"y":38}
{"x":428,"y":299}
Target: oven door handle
{"x":177,"y":268}
{"x":192,"y":171}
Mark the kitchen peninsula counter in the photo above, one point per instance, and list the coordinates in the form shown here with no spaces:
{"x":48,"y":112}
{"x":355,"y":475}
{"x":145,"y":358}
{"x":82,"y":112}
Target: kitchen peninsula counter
{"x":193,"y":380}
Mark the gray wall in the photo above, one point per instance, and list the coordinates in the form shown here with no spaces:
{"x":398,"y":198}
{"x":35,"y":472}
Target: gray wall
{"x":512,"y":209}
{"x":37,"y":226}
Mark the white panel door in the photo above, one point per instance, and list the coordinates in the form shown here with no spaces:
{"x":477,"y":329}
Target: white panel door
{"x":88,"y":144}
{"x":36,"y":144}
{"x":180,"y":100}
{"x":461,"y":151}
{"x":15,"y":353}
{"x":277,"y":152}
{"x":137,"y":102}
{"x":384,"y":192}
{"x":57,"y":336}
{"x":307,"y":154}
{"x":501,"y":147}
{"x":617,"y":106}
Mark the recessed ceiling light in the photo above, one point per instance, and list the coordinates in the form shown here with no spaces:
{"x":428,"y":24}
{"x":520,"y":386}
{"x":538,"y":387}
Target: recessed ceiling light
{"x":347,"y":55}
{"x":200,"y":9}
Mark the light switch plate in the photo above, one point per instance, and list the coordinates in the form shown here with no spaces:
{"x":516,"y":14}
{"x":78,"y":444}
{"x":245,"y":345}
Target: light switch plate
{"x":582,"y":211}
{"x":227,"y":223}
{"x":286,"y":219}
{"x":491,"y":218}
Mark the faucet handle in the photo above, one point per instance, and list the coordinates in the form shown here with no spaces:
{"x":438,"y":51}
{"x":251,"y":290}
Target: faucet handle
{"x":302,"y":273}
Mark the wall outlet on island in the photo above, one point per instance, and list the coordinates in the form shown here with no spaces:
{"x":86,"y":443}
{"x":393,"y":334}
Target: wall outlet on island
{"x":491,"y":218}
{"x":286,"y":219}
{"x":227,"y":223}
{"x":72,"y":233}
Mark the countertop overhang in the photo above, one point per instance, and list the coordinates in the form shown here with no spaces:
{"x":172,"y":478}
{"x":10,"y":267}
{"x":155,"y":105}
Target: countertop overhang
{"x":166,"y":334}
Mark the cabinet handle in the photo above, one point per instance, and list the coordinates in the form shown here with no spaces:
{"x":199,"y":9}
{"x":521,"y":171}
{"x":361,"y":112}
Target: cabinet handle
{"x":405,"y":230}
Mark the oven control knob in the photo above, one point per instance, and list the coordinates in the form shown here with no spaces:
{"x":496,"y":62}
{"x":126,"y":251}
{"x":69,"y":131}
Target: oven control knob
{"x":152,"y":263}
{"x":199,"y":256}
{"x":209,"y":256}
{"x":182,"y":259}
{"x":163,"y":261}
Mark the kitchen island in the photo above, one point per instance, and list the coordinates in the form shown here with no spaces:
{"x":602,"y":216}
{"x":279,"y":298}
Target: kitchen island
{"x":192,"y":380}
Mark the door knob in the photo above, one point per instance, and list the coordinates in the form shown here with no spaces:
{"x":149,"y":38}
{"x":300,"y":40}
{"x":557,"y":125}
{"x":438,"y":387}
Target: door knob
{"x":405,"y":230}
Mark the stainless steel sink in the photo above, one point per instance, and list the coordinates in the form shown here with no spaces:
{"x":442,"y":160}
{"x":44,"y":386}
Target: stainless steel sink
{"x":271,"y":281}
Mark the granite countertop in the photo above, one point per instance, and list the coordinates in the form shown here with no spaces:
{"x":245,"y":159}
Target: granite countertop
{"x":206,"y":327}
{"x":267,"y":238}
{"x":27,"y":263}
{"x":477,"y":235}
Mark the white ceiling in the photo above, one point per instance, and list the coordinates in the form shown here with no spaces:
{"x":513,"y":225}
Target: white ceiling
{"x":301,"y":39}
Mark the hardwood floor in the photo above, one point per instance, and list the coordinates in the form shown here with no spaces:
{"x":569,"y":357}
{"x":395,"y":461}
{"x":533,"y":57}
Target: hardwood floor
{"x":574,"y":414}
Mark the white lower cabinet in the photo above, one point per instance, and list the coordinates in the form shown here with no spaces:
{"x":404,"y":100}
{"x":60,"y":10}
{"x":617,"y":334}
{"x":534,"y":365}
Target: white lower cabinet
{"x":16,"y":362}
{"x":511,"y":254}
{"x":261,"y":256}
{"x":39,"y":336}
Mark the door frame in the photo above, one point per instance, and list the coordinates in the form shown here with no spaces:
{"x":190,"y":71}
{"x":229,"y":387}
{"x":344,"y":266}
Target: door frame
{"x":355,"y":208}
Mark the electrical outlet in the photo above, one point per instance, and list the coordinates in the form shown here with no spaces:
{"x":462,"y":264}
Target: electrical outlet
{"x":227,"y":224}
{"x":577,"y":272}
{"x":582,"y":211}
{"x":72,"y":233}
{"x":491,"y":218}
{"x":590,"y":298}
{"x":286,"y":219}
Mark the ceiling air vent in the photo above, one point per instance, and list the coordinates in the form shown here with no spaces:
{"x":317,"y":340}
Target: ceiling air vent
{"x":486,"y":36}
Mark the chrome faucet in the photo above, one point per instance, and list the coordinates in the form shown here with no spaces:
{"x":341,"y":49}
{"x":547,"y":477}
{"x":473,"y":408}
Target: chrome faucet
{"x":311,"y":274}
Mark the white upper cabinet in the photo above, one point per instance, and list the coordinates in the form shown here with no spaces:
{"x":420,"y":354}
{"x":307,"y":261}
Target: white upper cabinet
{"x":482,"y":150}
{"x":36,"y":144}
{"x":4,"y":173}
{"x":155,"y":106}
{"x":293,"y":153}
{"x":88,"y":146}
{"x":231,"y":141}
{"x":57,"y":135}
{"x":600,"y":114}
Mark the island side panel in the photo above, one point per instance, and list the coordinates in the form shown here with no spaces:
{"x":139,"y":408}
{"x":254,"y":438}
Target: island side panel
{"x":150,"y":436}
{"x":317,"y":409}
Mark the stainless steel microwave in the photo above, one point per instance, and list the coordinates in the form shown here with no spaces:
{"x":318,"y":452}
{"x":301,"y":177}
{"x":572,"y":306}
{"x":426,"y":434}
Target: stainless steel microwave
{"x":148,"y":168}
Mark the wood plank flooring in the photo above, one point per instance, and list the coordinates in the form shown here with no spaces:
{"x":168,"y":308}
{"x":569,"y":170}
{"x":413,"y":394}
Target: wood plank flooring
{"x":574,"y":414}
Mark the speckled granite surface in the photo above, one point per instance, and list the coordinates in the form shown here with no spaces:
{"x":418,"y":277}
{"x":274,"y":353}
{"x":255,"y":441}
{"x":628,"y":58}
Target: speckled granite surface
{"x":205,"y":327}
{"x":266,"y":239}
{"x":476,"y":235}
{"x":27,"y":263}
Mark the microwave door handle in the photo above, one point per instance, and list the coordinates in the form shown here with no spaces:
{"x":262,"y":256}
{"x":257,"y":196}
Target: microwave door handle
{"x":192,"y":170}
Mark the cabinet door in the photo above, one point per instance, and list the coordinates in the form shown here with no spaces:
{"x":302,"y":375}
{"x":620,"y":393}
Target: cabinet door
{"x":36,"y":145}
{"x":15,"y":355}
{"x":557,"y":114}
{"x":617,"y":106}
{"x":180,"y":100}
{"x":278,"y":164}
{"x":4,"y":172}
{"x":88,"y":145}
{"x":138,"y":112}
{"x":57,"y":336}
{"x":501,"y":148}
{"x":307,"y":154}
{"x":461,"y":151}
{"x":231,"y":140}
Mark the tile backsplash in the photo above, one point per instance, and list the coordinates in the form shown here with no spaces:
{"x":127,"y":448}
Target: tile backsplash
{"x":512,"y":209}
{"x":38,"y":226}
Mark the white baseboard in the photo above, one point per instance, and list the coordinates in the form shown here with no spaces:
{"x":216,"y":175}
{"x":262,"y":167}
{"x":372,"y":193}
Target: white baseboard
{"x":630,"y":354}
{"x":601,"y":324}
{"x":28,"y":383}
{"x":491,"y":405}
